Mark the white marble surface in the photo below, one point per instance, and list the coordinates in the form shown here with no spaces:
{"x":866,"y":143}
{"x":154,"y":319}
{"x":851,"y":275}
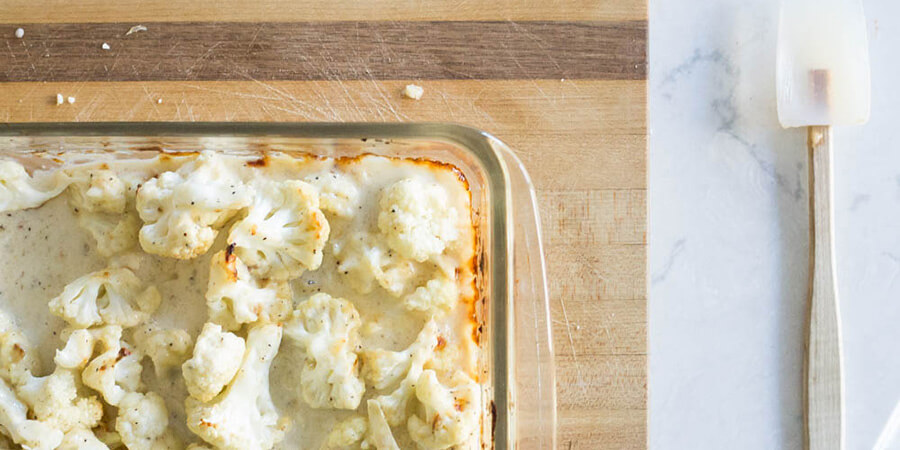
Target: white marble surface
{"x":728,"y":234}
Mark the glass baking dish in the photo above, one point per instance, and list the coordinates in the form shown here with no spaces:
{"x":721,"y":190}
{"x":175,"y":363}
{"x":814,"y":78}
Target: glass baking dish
{"x":517,"y":358}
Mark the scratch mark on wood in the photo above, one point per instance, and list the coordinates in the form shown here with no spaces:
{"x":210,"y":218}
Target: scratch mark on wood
{"x":255,"y":35}
{"x":150,"y":99}
{"x":565,"y":312}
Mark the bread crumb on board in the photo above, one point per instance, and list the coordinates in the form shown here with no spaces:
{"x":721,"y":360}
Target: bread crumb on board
{"x":105,"y":46}
{"x":136,"y":29}
{"x":20,"y":33}
{"x":413,"y":91}
{"x":60,"y":99}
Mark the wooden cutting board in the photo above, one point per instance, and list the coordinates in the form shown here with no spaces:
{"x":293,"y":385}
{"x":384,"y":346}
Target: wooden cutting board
{"x":562,"y":82}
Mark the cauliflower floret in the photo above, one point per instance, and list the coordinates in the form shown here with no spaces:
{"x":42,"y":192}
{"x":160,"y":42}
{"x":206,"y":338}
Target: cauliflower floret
{"x":284,"y":231}
{"x":100,"y":200}
{"x":196,"y":446}
{"x":338,"y":193}
{"x":17,"y":358}
{"x":346,"y":433}
{"x":243,"y":416}
{"x":366,"y":261}
{"x":113,"y":233}
{"x":450,"y":414}
{"x":78,"y":350}
{"x":97,"y":191}
{"x":54,"y":400}
{"x":384,"y":368}
{"x":116,"y":370}
{"x":18,"y":190}
{"x":235,"y":297}
{"x":111,"y":297}
{"x":448,"y":359}
{"x":167,"y":348}
{"x":182,"y":211}
{"x":27,"y":433}
{"x":143,"y":422}
{"x":217,"y":358}
{"x":437,"y":296}
{"x":416,"y":220}
{"x":81,"y":439}
{"x":328,"y":330}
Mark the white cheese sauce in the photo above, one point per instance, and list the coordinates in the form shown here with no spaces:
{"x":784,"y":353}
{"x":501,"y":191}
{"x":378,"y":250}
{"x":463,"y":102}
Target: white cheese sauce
{"x":44,"y":249}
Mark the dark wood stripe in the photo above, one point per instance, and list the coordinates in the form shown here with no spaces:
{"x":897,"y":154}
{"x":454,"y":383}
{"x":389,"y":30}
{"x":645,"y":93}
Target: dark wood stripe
{"x":325,"y":51}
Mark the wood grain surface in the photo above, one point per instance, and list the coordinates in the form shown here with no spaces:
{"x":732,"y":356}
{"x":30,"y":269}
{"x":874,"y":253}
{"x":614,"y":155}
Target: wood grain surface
{"x":318,"y":51}
{"x":63,"y":11}
{"x":824,"y":396}
{"x":563,"y":83}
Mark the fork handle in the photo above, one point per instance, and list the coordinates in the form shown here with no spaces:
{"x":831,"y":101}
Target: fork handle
{"x":824,"y":368}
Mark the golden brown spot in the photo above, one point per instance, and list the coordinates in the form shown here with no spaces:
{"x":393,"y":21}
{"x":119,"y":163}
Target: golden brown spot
{"x":493,"y":419}
{"x":476,"y":333}
{"x":230,"y":266}
{"x":443,"y":166}
{"x":104,"y":166}
{"x":176,"y":152}
{"x":441,"y":343}
{"x":347,"y":160}
{"x":434,"y":422}
{"x":253,"y":230}
{"x":204,"y":423}
{"x":261,"y":162}
{"x":18,"y":352}
{"x":123,"y":352}
{"x":460,"y":404}
{"x":150,"y":148}
{"x":477,"y":299}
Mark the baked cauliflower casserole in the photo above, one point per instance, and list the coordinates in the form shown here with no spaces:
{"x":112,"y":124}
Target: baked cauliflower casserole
{"x":212,"y":300}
